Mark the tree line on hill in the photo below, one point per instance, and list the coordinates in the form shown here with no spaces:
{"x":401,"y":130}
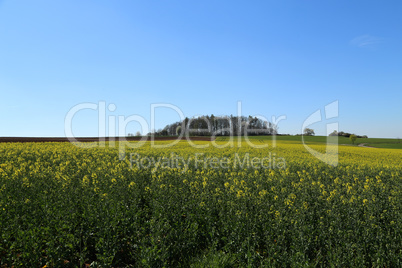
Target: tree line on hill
{"x":219,"y":126}
{"x":228,"y":126}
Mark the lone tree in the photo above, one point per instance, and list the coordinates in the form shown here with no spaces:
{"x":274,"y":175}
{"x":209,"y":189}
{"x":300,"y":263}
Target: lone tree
{"x":308,"y":132}
{"x":353,"y":138}
{"x":138,"y":134}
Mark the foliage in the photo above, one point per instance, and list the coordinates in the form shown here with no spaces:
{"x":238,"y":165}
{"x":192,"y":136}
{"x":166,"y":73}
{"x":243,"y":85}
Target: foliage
{"x":178,"y":130}
{"x":308,"y":132}
{"x":220,"y":126}
{"x":346,"y":134}
{"x":353,"y":138}
{"x":333,"y":133}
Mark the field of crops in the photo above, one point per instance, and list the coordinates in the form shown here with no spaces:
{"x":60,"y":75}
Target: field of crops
{"x":63,"y":205}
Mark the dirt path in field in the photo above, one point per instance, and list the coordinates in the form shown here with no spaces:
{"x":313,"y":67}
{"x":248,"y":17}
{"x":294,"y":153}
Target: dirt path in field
{"x":96,"y":139}
{"x":359,"y":145}
{"x":364,"y":145}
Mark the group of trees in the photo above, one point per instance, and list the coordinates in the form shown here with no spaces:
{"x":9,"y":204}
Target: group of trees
{"x":352,"y":137}
{"x":310,"y":132}
{"x":230,"y":125}
{"x":137,"y":134}
{"x":219,"y":126}
{"x":347,"y":135}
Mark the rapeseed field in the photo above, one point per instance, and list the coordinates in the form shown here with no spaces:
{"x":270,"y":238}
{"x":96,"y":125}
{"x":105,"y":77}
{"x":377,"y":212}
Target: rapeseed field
{"x":63,"y":205}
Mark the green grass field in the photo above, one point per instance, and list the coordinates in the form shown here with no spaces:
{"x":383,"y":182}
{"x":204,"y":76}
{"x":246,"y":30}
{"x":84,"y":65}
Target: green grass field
{"x":373,"y":142}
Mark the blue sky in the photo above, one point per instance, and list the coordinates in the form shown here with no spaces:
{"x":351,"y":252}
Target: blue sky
{"x":275,"y":57}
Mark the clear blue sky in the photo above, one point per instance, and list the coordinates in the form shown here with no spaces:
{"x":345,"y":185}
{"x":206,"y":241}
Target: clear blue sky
{"x":276,"y":57}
